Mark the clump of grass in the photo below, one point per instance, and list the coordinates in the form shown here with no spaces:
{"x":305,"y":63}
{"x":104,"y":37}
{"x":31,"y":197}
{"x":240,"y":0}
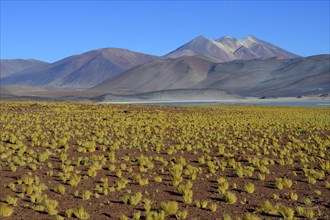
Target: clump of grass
{"x":39,"y":208}
{"x":293,"y":196}
{"x":249,"y":188}
{"x":158,"y":179}
{"x":36,"y":198}
{"x":309,"y":213}
{"x":147,"y":205}
{"x":132,"y":199}
{"x":11,"y":200}
{"x":12,"y":186}
{"x":213,"y":207}
{"x":50,"y":206}
{"x":267,"y":208}
{"x":229,"y":197}
{"x":60,"y":189}
{"x":69,"y":213}
{"x":112,"y":167}
{"x":279,"y":185}
{"x":75,"y":179}
{"x":182,"y":215}
{"x":6,"y":211}
{"x":308,"y":201}
{"x":154,"y":215}
{"x":58,"y":217}
{"x":123,"y":217}
{"x":287,"y":182}
{"x":186,"y":191}
{"x":12,"y":167}
{"x":261,"y":176}
{"x":311,"y":180}
{"x":223,"y":185}
{"x":170,"y":208}
{"x":118,"y":173}
{"x":226,"y":216}
{"x":327,"y":184}
{"x":276,"y":196}
{"x":318,"y":192}
{"x":137,"y":215}
{"x":86,"y":194}
{"x":285,"y":212}
{"x":204,"y":204}
{"x":299,"y":210}
{"x":283,"y":182}
{"x":197,"y":204}
{"x":80,"y":213}
{"x":249,"y":216}
{"x":176,"y":172}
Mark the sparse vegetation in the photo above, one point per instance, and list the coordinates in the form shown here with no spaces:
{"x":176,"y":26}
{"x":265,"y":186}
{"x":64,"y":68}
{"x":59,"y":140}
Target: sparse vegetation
{"x":155,"y":162}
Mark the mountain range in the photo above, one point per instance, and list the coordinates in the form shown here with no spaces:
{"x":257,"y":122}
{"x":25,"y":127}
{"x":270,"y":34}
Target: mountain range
{"x":80,"y":71}
{"x":229,"y":48}
{"x":246,"y":67}
{"x":258,"y":77}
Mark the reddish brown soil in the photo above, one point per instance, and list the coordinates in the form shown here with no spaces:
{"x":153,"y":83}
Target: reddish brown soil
{"x":204,"y":186}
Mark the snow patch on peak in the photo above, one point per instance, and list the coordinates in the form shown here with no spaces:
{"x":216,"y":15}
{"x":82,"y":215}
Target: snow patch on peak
{"x":226,"y":38}
{"x":249,"y":41}
{"x":251,"y":37}
{"x":230,"y":37}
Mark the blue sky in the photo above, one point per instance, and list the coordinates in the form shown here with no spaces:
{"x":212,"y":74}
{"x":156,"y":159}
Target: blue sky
{"x":52,"y":30}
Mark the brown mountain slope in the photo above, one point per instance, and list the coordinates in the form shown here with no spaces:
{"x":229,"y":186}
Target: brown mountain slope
{"x":271,"y":77}
{"x":12,"y":66}
{"x":80,"y":71}
{"x":229,"y":48}
{"x":184,"y":72}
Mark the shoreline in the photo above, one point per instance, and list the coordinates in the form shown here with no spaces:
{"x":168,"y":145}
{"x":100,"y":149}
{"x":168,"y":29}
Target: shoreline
{"x":285,"y":101}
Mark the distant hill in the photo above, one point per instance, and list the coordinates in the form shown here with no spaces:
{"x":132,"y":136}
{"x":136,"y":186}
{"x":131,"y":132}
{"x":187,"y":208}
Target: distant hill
{"x":11,"y":66}
{"x":290,"y":77}
{"x":229,"y":48}
{"x":80,"y":71}
{"x":183,"y":72}
{"x":259,"y":77}
{"x":4,"y":93}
